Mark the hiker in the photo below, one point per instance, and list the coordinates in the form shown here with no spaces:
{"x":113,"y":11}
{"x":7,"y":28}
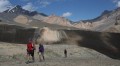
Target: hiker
{"x":41,"y":52}
{"x":65,"y":53}
{"x":30,"y":50}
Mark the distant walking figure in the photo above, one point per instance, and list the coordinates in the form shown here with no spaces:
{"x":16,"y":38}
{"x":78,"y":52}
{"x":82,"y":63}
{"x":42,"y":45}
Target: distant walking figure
{"x":30,"y":50}
{"x":41,"y":52}
{"x":65,"y":53}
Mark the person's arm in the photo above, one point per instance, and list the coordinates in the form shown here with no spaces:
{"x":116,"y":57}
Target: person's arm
{"x":34,"y":46}
{"x":27,"y":47}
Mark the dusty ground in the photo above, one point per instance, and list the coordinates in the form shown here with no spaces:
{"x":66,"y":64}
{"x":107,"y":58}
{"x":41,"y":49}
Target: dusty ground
{"x":15,"y":55}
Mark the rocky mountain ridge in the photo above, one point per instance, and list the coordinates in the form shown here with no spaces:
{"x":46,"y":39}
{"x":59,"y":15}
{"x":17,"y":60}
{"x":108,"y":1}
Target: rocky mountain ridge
{"x":107,"y":20}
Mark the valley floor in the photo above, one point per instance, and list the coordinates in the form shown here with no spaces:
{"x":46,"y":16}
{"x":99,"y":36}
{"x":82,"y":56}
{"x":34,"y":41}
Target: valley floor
{"x":15,"y":55}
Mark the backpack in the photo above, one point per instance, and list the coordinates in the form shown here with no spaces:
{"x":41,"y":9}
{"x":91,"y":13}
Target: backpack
{"x":29,"y":47}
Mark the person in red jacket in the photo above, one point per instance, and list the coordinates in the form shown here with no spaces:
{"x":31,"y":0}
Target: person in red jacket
{"x":30,"y":50}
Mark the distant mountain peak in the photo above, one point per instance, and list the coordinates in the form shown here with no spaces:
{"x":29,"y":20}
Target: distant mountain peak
{"x":117,"y":9}
{"x":14,"y":9}
{"x":17,"y":7}
{"x":106,"y":12}
{"x":19,"y":10}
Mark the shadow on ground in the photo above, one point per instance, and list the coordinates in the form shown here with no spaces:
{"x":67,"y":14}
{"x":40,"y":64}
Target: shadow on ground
{"x":105,"y":43}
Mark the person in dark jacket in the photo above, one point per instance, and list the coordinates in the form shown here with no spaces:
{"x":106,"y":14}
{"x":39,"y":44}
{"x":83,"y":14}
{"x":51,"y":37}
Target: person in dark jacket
{"x":41,"y":52}
{"x":65,"y":53}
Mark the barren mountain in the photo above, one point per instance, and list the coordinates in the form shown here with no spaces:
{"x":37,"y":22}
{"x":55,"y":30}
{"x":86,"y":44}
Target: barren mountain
{"x":19,"y":10}
{"x":21,"y":17}
{"x":107,"y":21}
{"x":104,"y":22}
{"x":114,"y":29}
{"x":53,"y":19}
{"x":83,"y":25}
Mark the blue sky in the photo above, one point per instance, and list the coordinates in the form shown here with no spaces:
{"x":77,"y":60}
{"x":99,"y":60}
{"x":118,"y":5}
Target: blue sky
{"x":74,"y":10}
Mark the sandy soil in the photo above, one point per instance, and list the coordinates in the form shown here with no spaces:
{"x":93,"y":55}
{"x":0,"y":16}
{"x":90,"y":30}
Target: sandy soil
{"x":15,"y":55}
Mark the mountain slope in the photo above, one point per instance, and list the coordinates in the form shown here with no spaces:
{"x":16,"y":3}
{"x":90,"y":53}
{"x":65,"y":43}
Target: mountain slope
{"x":21,"y":17}
{"x":53,"y":19}
{"x":102,"y":23}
